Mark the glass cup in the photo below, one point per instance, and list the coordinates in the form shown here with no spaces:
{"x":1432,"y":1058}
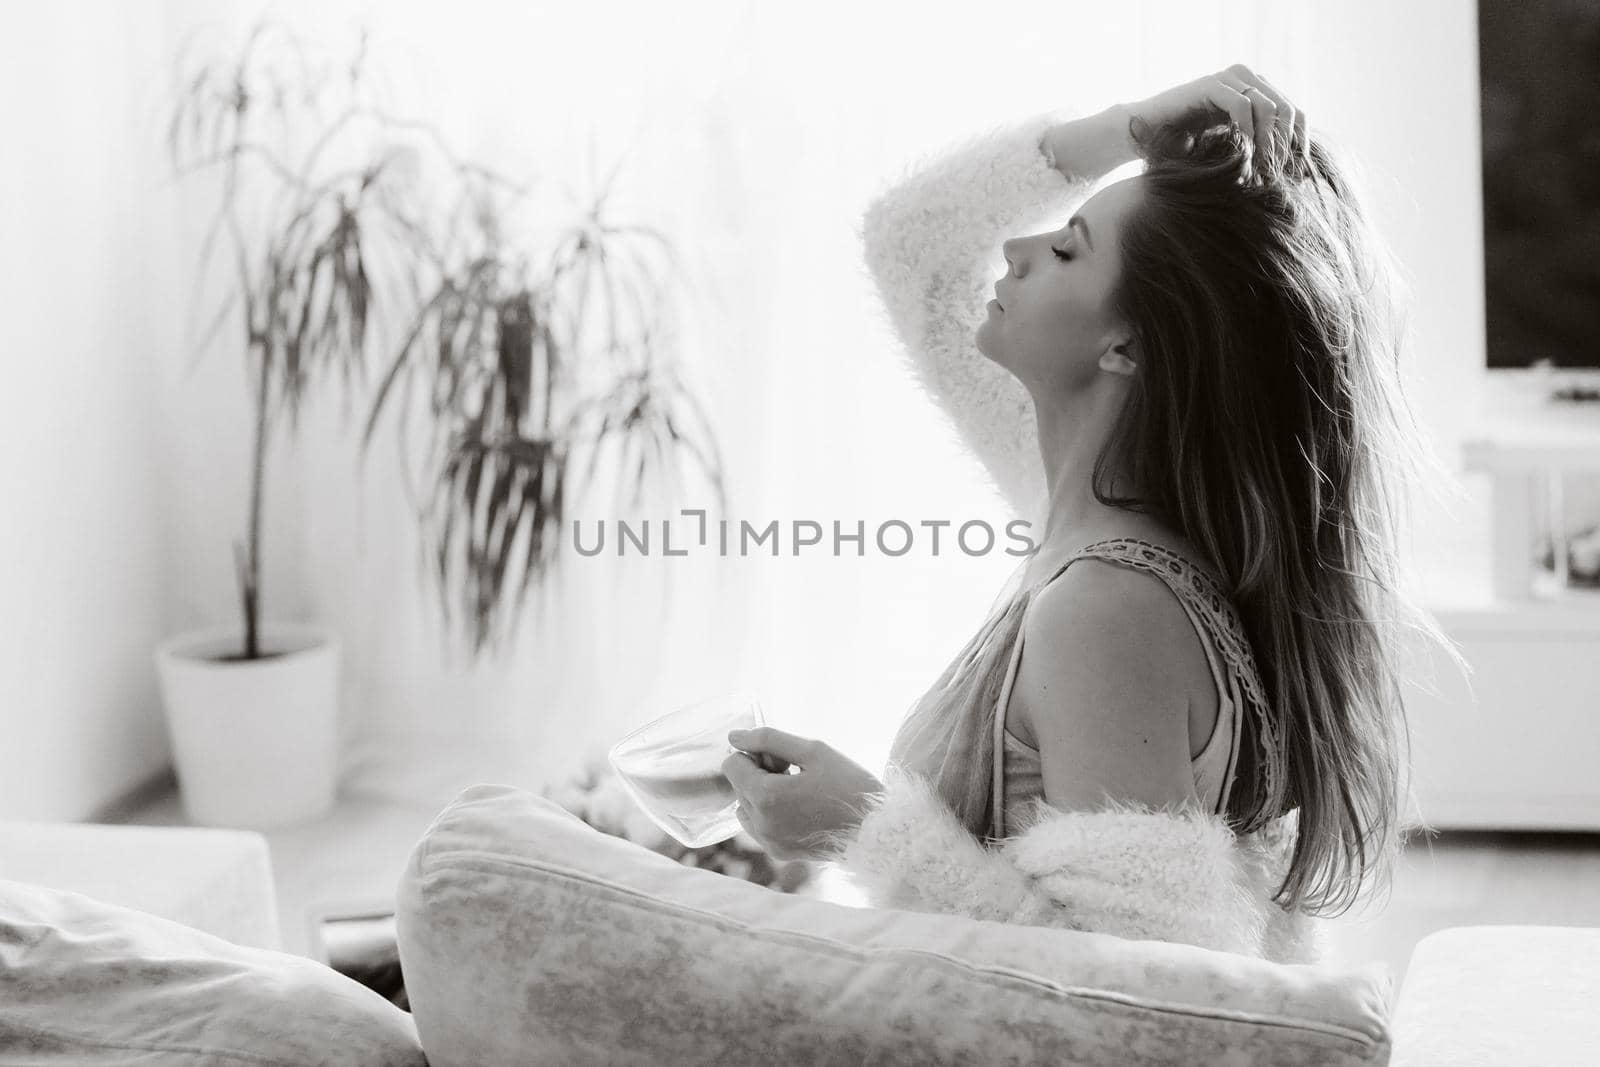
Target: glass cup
{"x":672,"y":767}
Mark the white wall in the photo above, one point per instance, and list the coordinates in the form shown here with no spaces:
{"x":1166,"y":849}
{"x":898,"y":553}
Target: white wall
{"x":125,"y":478}
{"x":1398,"y":84}
{"x":81,"y":550}
{"x":755,"y":138}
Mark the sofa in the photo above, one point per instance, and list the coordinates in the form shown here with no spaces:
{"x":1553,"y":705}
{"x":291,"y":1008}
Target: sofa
{"x":527,"y":936}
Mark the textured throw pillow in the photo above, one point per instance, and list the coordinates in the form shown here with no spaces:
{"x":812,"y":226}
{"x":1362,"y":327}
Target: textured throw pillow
{"x":88,"y":983}
{"x":529,"y":937}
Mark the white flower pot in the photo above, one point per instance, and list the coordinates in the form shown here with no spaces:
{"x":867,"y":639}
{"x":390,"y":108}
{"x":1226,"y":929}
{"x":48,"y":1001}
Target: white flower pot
{"x":255,"y":742}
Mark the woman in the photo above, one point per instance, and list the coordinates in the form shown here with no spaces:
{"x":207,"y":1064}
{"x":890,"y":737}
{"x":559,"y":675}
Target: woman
{"x":1191,"y":379}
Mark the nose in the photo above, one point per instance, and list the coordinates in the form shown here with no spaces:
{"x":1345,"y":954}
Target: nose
{"x":1009,"y":249}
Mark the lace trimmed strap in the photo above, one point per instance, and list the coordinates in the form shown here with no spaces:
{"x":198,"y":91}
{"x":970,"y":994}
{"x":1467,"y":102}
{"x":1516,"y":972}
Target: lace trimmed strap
{"x":1196,"y":585}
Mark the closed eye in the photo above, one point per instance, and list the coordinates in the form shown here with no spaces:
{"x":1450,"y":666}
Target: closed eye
{"x":1060,"y":254}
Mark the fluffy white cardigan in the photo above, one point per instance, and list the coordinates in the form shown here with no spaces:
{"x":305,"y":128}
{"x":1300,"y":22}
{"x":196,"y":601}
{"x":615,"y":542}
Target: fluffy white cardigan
{"x":1145,"y":875}
{"x":932,"y":242}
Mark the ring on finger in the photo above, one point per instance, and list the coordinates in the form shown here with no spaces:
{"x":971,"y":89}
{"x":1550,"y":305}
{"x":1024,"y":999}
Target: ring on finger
{"x":1261,"y":98}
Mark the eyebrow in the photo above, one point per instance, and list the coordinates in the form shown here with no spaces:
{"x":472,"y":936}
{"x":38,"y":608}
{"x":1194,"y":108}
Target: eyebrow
{"x":1078,"y":221}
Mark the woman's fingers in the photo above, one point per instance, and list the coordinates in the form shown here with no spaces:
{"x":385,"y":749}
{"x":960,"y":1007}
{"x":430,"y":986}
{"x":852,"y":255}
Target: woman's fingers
{"x":747,"y":779}
{"x":1229,"y":97}
{"x":1264,"y":120}
{"x":773,"y":764}
{"x":1263,"y":111}
{"x":768,"y":740}
{"x":1300,"y":145}
{"x":1276,"y":125}
{"x":745,"y":821}
{"x":1244,"y":104}
{"x":1277,"y":128}
{"x":1291,"y":122}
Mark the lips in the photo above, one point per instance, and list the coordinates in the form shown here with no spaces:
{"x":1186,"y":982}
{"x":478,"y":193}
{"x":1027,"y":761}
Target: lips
{"x":997,"y":298}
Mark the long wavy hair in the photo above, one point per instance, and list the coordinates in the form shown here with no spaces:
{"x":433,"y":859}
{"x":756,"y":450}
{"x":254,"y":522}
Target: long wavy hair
{"x":1267,"y":424}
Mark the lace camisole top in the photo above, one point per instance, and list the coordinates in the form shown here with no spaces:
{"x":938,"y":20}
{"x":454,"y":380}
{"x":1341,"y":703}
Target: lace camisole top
{"x":1017,"y":777}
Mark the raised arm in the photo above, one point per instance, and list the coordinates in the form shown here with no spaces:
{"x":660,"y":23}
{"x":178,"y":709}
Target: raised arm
{"x":932,"y":245}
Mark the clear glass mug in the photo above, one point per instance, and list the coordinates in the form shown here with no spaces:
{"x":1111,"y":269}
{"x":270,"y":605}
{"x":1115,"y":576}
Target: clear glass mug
{"x":672,"y":767}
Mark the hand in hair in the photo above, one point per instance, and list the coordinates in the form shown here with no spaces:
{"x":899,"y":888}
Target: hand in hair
{"x":1256,"y":106}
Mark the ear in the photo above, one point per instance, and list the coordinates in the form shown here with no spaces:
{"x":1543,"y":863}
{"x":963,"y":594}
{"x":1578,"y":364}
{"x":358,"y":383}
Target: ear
{"x":1117,"y":359}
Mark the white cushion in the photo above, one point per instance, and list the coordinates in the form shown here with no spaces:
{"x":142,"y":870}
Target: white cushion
{"x":219,"y":881}
{"x":528,"y":936}
{"x":87,"y":983}
{"x":1501,"y":996}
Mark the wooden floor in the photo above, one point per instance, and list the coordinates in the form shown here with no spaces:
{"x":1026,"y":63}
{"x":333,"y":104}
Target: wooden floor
{"x":1460,"y":878}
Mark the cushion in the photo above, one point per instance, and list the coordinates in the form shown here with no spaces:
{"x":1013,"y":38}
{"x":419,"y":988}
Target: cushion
{"x":528,"y":936}
{"x":1494,"y":996}
{"x":219,"y":881}
{"x":84,"y":982}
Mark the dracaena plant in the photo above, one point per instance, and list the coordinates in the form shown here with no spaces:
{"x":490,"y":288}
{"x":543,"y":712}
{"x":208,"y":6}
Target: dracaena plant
{"x":536,"y":368}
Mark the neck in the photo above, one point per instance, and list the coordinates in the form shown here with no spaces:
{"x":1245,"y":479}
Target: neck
{"x":1071,"y":436}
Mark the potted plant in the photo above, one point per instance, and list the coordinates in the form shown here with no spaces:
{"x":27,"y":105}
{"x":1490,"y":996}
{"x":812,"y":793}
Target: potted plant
{"x":252,"y":709}
{"x":533,"y":374}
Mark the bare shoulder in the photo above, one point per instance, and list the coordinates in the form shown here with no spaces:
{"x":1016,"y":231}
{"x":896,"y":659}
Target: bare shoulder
{"x":1112,"y":598}
{"x":1107,"y":696}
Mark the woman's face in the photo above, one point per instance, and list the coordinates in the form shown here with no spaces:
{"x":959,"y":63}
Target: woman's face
{"x":1054,"y":328}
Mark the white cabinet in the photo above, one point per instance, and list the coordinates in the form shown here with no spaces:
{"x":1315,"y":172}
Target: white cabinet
{"x":1526,"y":452}
{"x":1515,"y":745}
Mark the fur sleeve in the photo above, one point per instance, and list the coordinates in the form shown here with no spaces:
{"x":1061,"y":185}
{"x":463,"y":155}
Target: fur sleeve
{"x":911,"y":852}
{"x":1134,"y":873}
{"x":1291,"y":936}
{"x":932,"y":244}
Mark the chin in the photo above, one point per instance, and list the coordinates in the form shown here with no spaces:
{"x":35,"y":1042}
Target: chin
{"x":983,"y":348}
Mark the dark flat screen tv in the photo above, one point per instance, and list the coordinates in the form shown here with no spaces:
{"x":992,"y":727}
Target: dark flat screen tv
{"x":1539,"y":86}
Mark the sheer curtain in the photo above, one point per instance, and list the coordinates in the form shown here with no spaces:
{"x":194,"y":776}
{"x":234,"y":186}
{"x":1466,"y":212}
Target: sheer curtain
{"x":827,"y":110}
{"x":754,"y":134}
